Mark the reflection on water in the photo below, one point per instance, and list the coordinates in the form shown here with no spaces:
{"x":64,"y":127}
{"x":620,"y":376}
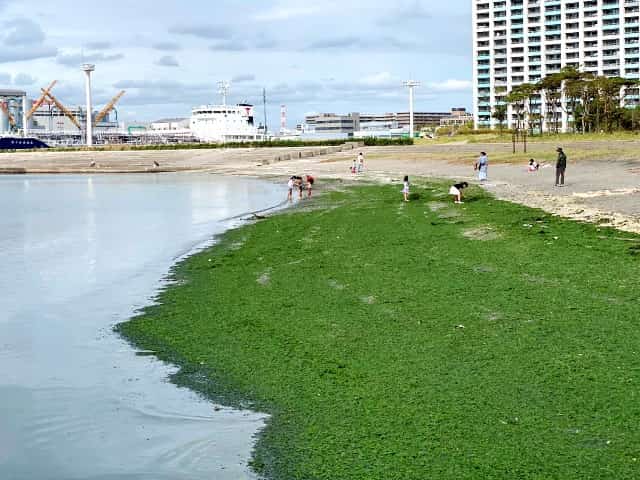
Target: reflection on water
{"x":79,"y":254}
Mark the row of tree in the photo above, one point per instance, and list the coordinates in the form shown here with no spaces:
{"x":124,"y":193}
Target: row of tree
{"x":593,"y":103}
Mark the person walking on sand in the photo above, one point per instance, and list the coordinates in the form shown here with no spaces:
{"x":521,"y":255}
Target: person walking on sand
{"x":354,"y":167}
{"x":482,"y":166}
{"x":360,"y":162}
{"x":456,"y":191}
{"x":405,"y":188}
{"x":561,"y":167}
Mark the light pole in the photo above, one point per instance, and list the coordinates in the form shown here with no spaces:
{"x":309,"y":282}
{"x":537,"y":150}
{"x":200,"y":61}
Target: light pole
{"x":411,"y":84}
{"x":87,"y":68}
{"x":25,"y":127}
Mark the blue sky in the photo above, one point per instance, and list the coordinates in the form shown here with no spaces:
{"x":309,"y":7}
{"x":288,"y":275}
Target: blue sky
{"x":336,"y":56}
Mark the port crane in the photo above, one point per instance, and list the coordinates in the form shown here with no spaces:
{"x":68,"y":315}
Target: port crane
{"x":42,"y":99}
{"x":63,"y":109}
{"x":5,"y":109}
{"x":108,"y":107}
{"x":48,"y":97}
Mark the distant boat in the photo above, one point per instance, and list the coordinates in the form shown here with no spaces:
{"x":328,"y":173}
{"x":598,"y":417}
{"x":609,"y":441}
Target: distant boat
{"x":21,"y":143}
{"x":224,"y":123}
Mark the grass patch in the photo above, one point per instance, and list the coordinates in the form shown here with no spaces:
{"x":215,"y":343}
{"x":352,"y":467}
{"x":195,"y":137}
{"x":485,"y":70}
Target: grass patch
{"x":506,"y":137}
{"x":388,"y":342}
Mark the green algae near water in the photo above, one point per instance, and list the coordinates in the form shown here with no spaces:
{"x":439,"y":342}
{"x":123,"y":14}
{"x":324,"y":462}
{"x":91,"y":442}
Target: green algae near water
{"x":412,"y":341}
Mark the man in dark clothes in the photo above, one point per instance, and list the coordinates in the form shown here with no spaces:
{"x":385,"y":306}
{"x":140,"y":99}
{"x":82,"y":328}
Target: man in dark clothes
{"x":561,"y":166}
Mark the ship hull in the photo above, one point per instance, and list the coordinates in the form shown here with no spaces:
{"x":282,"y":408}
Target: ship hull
{"x":21,"y":143}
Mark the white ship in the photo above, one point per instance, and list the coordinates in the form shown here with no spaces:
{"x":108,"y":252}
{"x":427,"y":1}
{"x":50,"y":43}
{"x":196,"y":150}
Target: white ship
{"x":225,"y":123}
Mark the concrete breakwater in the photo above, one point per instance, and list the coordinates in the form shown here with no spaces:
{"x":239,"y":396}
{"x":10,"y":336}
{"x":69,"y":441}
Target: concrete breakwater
{"x":143,"y":161}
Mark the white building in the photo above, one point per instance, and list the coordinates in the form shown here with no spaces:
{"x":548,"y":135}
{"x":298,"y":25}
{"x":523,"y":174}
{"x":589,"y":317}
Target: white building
{"x":518,"y":41}
{"x":169,"y":125}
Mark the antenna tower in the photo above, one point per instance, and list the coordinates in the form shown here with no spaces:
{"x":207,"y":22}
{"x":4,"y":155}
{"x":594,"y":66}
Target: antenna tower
{"x":223,"y":90}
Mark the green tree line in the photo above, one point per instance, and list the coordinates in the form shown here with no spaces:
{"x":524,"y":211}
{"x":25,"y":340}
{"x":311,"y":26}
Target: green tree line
{"x":592,"y":103}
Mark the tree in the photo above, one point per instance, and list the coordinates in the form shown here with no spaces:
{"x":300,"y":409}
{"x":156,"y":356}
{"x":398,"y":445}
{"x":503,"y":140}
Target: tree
{"x":500,"y":114}
{"x":551,"y":85}
{"x":573,"y":84}
{"x":520,"y":99}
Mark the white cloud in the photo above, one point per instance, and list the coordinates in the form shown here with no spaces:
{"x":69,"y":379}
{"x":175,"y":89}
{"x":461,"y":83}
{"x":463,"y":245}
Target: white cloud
{"x":21,"y":54}
{"x":289,"y":11}
{"x":378,"y":79}
{"x":76,"y":59}
{"x":23,"y":79}
{"x":22,"y":31}
{"x":451,"y":85}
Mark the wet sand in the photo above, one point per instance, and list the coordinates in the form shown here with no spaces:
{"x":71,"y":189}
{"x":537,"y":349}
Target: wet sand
{"x":602,"y":177}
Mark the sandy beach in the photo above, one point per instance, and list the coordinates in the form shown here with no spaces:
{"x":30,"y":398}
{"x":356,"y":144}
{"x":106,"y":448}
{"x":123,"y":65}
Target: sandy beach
{"x":603,"y":189}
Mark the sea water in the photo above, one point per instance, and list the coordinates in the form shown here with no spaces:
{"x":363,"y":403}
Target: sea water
{"x":79,"y":254}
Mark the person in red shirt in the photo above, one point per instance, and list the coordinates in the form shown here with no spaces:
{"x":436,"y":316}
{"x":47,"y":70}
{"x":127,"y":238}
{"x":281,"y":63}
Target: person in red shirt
{"x":310,"y":182}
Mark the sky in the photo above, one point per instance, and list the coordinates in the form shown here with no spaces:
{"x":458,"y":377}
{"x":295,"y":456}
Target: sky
{"x":323,"y":56}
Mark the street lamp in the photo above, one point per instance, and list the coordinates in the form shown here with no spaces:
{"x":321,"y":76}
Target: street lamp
{"x":411,"y":84}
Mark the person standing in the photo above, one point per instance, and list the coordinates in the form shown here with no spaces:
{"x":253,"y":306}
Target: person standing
{"x":290,"y":185}
{"x":310,"y":182}
{"x":482,"y":166}
{"x":405,"y":188}
{"x":561,"y":167}
{"x":360,"y":162}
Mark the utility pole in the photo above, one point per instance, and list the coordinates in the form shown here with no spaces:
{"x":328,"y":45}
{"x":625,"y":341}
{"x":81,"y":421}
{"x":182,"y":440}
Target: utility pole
{"x":87,"y":68}
{"x":25,"y":126}
{"x":411,"y":84}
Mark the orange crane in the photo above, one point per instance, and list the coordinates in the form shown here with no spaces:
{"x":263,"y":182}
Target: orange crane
{"x":5,"y":109}
{"x":42,"y":99}
{"x":62,"y":108}
{"x":105,"y":111}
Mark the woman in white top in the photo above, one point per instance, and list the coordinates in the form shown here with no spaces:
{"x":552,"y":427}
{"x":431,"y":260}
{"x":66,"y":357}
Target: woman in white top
{"x":405,"y":188}
{"x":360,"y":162}
{"x":456,"y":191}
{"x":290,"y":184}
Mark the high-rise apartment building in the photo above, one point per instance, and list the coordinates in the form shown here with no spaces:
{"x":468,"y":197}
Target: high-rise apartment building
{"x":518,"y":41}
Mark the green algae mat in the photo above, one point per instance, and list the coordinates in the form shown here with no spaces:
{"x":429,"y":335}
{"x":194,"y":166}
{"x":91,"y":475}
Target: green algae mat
{"x":415,"y":341}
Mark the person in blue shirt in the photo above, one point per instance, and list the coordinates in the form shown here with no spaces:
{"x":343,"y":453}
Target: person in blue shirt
{"x":482,"y":166}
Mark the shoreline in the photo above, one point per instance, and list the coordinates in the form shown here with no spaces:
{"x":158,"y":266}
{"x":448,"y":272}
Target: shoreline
{"x":233,"y":374}
{"x":603,"y":176}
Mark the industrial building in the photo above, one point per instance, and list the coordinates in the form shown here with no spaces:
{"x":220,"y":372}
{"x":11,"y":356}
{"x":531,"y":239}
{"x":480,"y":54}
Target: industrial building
{"x":331,"y":123}
{"x":518,"y":41}
{"x":169,"y":124}
{"x":361,"y":124}
{"x":459,"y":117}
{"x":48,"y":118}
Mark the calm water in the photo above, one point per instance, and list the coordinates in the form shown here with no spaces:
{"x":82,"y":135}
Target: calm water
{"x":79,"y":254}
